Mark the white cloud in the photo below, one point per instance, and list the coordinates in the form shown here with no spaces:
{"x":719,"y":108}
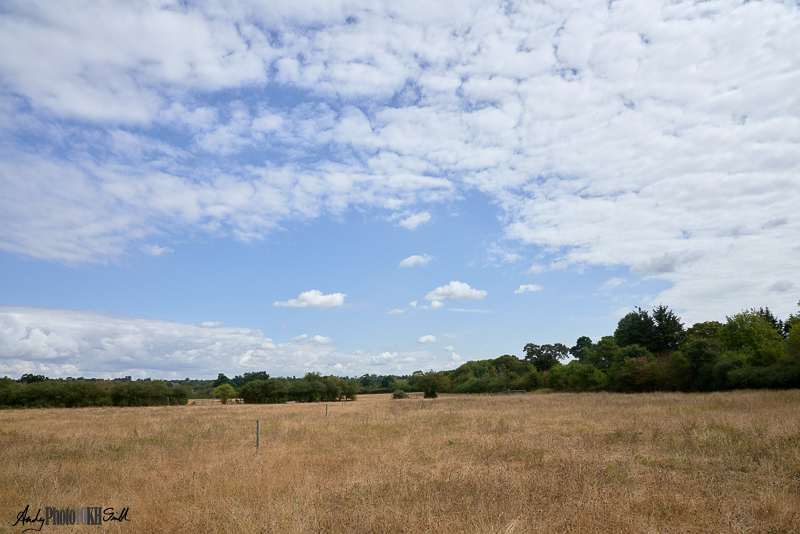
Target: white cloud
{"x":427,"y":339}
{"x":525,"y":288}
{"x":454,"y":357}
{"x":155,"y":250}
{"x":314,"y":298}
{"x":469,"y":310}
{"x":60,"y":343}
{"x":384,"y":358}
{"x":436,"y":304}
{"x":499,"y":255}
{"x":535,"y":269}
{"x":629,"y":136}
{"x":613,"y":283}
{"x":449,"y":348}
{"x":455,"y":290}
{"x":413,"y":303}
{"x":415,"y":220}
{"x":395,"y":311}
{"x":212,"y":324}
{"x":415,"y":260}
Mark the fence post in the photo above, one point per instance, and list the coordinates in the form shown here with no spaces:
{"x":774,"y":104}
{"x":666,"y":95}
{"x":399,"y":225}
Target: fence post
{"x":326,"y":410}
{"x":258,"y":435}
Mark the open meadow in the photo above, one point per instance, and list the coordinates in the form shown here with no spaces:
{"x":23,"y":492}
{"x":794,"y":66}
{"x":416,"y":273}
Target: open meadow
{"x":592,"y":462}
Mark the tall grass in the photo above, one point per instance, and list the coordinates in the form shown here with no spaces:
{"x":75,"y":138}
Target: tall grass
{"x":719,"y":462}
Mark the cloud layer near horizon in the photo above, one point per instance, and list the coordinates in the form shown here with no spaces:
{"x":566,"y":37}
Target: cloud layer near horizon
{"x":660,"y":136}
{"x":61,"y":343}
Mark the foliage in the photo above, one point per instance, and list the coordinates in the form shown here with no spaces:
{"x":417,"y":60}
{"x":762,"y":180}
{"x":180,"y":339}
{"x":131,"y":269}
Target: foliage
{"x":399,"y":394}
{"x":543,"y":357}
{"x":659,"y":333}
{"x":224,"y":392}
{"x":635,"y":328}
{"x":582,"y":348}
{"x":432,"y":382}
{"x":750,"y":334}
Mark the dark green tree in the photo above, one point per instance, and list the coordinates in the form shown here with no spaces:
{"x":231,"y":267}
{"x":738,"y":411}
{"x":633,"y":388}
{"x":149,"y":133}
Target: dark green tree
{"x":433,"y":382}
{"x":636,"y":328}
{"x":543,"y":357}
{"x":605,"y":353}
{"x":221,"y":379}
{"x":582,"y":348}
{"x":667,"y":331}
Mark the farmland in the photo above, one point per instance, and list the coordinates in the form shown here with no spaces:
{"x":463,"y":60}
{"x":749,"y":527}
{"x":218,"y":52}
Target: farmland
{"x":590,"y":462}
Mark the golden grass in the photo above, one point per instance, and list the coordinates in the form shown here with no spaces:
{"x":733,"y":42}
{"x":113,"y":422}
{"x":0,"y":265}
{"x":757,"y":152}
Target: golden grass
{"x":719,"y":462}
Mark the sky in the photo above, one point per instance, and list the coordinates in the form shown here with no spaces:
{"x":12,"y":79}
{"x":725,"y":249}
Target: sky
{"x":349,"y":187}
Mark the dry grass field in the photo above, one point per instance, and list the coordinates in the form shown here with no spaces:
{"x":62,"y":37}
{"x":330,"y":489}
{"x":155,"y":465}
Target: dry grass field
{"x":719,"y":462}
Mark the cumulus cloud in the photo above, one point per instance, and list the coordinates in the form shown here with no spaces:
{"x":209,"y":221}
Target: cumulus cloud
{"x":616,"y":136}
{"x":415,"y":260}
{"x":455,"y":290}
{"x":415,"y":220}
{"x":155,"y":250}
{"x":395,"y":311}
{"x":314,"y":298}
{"x":449,"y":348}
{"x":499,"y":255}
{"x":454,"y":357}
{"x":526,"y":288}
{"x":60,"y":343}
{"x":427,"y":339}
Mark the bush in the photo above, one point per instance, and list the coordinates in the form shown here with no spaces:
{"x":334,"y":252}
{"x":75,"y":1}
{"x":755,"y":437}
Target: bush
{"x":399,"y":394}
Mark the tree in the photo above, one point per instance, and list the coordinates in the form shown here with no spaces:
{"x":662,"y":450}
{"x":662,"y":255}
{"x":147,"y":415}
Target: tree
{"x":606,"y":353}
{"x":431,"y":382}
{"x":224,"y":392}
{"x":221,"y":379}
{"x":636,"y":328}
{"x":749,"y":333}
{"x":30,"y":378}
{"x":254,"y":392}
{"x":667,"y":331}
{"x":794,"y":342}
{"x":543,"y":357}
{"x":512,"y":364}
{"x":706,"y":330}
{"x":415,"y":376}
{"x":581,"y":349}
{"x":350,"y":389}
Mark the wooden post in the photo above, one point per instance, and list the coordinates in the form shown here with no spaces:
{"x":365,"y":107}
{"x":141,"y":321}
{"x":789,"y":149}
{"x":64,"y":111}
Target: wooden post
{"x":258,"y":435}
{"x":326,"y":410}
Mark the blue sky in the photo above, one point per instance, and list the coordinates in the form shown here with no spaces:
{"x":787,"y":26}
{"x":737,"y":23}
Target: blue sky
{"x":193,"y":188}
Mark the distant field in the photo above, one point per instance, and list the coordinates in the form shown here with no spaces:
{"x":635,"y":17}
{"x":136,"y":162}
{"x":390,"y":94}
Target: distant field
{"x":663,"y":462}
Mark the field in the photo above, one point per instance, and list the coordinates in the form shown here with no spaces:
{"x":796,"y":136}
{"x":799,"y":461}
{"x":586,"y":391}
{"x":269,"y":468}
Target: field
{"x":719,"y":462}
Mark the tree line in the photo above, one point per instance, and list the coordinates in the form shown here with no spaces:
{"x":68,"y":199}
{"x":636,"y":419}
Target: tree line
{"x":648,"y":351}
{"x":37,"y":391}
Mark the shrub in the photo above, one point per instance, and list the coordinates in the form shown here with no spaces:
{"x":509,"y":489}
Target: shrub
{"x":399,"y":394}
